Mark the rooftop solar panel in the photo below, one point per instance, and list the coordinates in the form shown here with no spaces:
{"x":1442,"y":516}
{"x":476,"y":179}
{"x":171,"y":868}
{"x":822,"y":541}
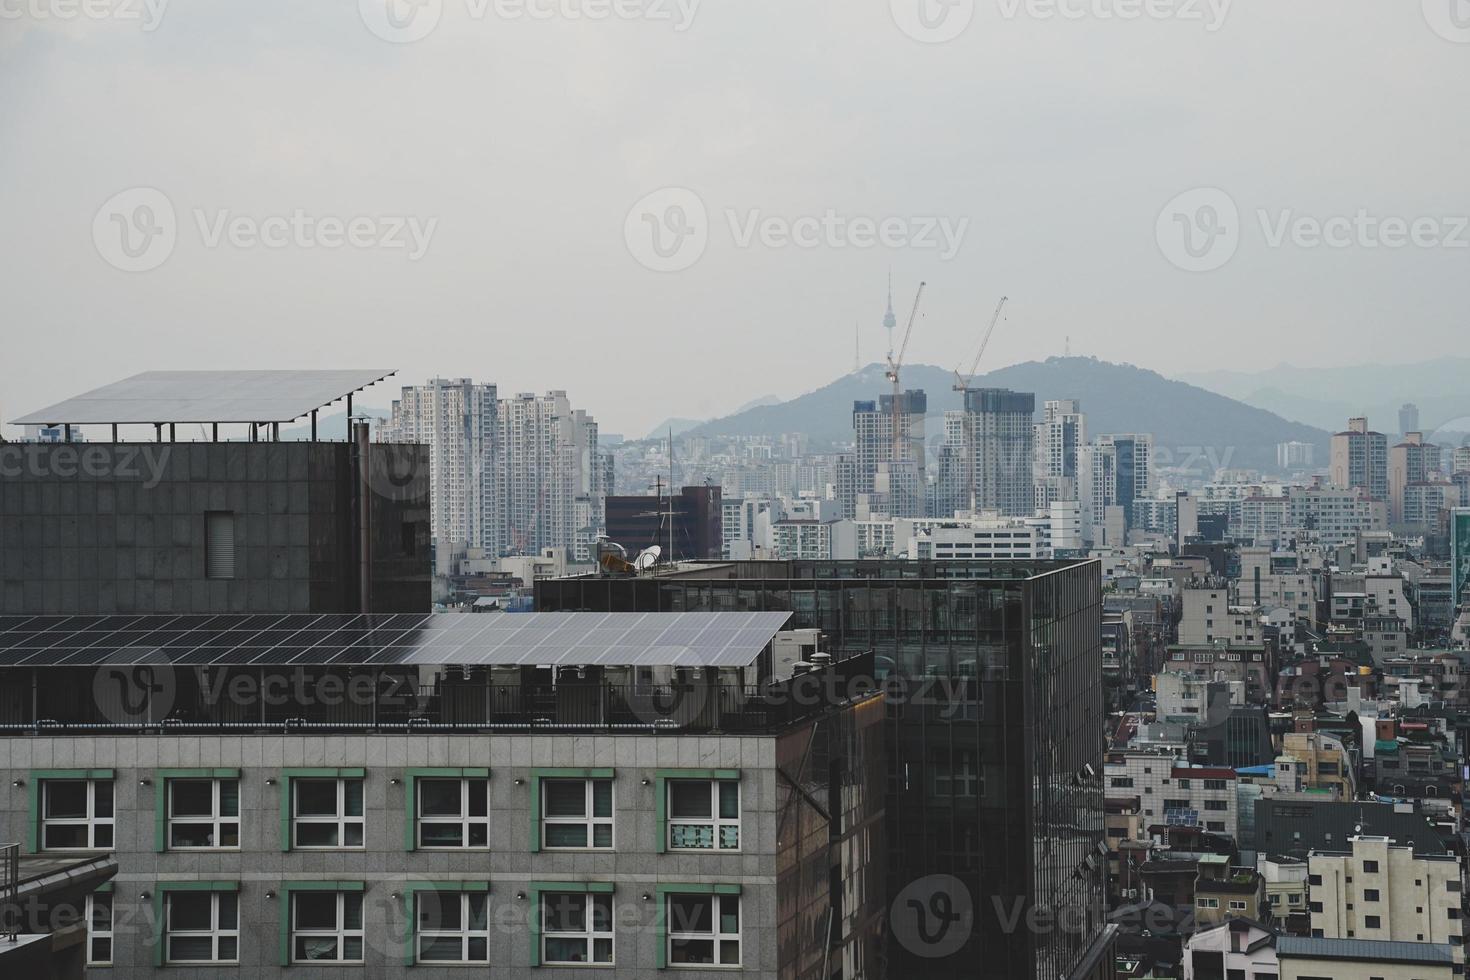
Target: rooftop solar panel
{"x":207,"y":396}
{"x":696,"y":639}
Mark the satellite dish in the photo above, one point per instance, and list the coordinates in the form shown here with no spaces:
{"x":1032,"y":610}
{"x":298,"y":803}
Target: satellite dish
{"x":647,"y":558}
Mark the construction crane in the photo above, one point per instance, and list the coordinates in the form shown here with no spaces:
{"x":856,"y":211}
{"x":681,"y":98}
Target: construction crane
{"x":895,"y":362}
{"x":962,"y":384}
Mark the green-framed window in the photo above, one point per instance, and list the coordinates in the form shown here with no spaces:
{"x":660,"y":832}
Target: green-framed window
{"x":196,"y":809}
{"x":572,"y":809}
{"x":697,"y":809}
{"x":196,"y":922}
{"x":699,"y":925}
{"x":323,"y":809}
{"x":322,"y":922}
{"x":71,"y":810}
{"x":572,"y":923}
{"x":450,"y":922}
{"x":99,"y":926}
{"x":448,"y":808}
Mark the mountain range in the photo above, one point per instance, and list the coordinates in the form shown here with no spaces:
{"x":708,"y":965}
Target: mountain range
{"x":1184,"y":419}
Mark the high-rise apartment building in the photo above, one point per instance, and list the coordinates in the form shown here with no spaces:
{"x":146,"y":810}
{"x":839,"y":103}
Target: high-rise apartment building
{"x":1061,"y":432}
{"x":990,"y":454}
{"x":1114,"y":471}
{"x":1360,"y":459}
{"x":898,"y":484}
{"x":459,"y":421}
{"x":1409,"y":418}
{"x":1411,"y":464}
{"x":549,"y":461}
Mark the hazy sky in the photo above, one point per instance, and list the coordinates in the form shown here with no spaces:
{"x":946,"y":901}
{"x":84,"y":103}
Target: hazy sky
{"x":520,"y":141}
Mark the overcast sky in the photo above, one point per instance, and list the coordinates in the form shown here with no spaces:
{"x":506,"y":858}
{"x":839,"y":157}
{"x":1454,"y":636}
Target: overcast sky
{"x":562,"y":202}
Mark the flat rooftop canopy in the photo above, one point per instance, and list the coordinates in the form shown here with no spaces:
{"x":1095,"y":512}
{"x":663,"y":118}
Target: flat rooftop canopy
{"x":688,"y":639}
{"x":207,"y":396}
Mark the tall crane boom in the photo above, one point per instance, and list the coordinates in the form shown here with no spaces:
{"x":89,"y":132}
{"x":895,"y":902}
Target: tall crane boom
{"x":895,"y":363}
{"x":962,"y":382}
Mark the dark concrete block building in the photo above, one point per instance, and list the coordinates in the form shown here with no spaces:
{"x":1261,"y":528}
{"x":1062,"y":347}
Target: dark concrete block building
{"x":638,"y":522}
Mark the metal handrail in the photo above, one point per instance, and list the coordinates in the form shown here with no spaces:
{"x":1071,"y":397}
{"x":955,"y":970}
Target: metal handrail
{"x":10,"y":891}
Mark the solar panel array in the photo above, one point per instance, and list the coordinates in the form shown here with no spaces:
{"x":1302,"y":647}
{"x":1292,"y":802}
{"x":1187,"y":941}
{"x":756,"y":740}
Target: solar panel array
{"x":689,"y":639}
{"x":207,"y":396}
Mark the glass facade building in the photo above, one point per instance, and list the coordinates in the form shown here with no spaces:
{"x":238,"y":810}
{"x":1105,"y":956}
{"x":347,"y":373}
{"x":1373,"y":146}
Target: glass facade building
{"x":994,"y":730}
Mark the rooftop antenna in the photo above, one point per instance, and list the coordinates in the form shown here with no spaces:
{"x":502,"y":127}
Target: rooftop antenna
{"x":857,"y":348}
{"x":890,"y":320}
{"x":1067,"y":350}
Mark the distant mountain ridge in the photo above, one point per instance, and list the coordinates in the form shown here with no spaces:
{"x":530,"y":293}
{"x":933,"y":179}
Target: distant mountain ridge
{"x":1184,"y":419}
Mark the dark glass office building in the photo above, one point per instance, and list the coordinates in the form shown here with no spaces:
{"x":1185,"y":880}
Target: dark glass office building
{"x":994,"y":809}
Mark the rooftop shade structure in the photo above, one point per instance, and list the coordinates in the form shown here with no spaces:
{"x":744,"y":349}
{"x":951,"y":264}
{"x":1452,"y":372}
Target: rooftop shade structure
{"x":688,"y":639}
{"x":162,"y":397}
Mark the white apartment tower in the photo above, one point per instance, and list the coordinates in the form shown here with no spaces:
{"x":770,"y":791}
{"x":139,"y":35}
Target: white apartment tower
{"x":550,"y":460}
{"x":1061,"y":432}
{"x":458,"y":421}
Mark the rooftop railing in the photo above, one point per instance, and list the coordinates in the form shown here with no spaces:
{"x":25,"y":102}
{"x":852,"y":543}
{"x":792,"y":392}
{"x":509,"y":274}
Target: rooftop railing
{"x":10,"y":891}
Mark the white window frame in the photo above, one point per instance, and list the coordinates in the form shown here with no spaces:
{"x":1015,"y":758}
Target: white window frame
{"x":91,"y":821}
{"x":716,"y":936}
{"x":587,"y":819}
{"x":94,"y":934}
{"x":1208,"y":903}
{"x":464,"y":934}
{"x":464,"y":820}
{"x":216,"y":931}
{"x":589,"y":935}
{"x":341,"y":933}
{"x":341,"y":820}
{"x":216,"y":818}
{"x":1237,"y":906}
{"x":715,"y":822}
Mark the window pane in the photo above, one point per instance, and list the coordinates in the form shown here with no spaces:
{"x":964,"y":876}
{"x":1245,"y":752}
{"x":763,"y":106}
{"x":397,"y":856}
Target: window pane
{"x":566,"y":835}
{"x":730,"y":837}
{"x":192,"y":797}
{"x":602,"y":798}
{"x":352,"y":795}
{"x":188,"y":913}
{"x":479,"y":951}
{"x":102,"y":798}
{"x":229,"y":798}
{"x":66,"y":799}
{"x":730,"y":800}
{"x":479,"y":835}
{"x":692,"y":951}
{"x":566,"y":798}
{"x":316,"y":948}
{"x":101,"y":951}
{"x":190,"y":948}
{"x":690,"y":913}
{"x":439,"y":911}
{"x":479,"y":909}
{"x":689,"y":799}
{"x":102,"y":912}
{"x":602,"y":950}
{"x":730,"y":952}
{"x":443,"y":835}
{"x":316,"y":835}
{"x":564,"y":912}
{"x":440,"y":948}
{"x":229,"y":948}
{"x":229,"y":910}
{"x":352,"y":910}
{"x":692,"y":835}
{"x":352,"y":948}
{"x":601,"y":913}
{"x":69,"y":835}
{"x":315,"y":797}
{"x":602,"y":835}
{"x":440,"y":797}
{"x":102,"y":835}
{"x":730,"y":914}
{"x":229,"y":835}
{"x":316,"y":910}
{"x":191,"y":835}
{"x":479,"y":797}
{"x":352,"y":834}
{"x":566,"y":950}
